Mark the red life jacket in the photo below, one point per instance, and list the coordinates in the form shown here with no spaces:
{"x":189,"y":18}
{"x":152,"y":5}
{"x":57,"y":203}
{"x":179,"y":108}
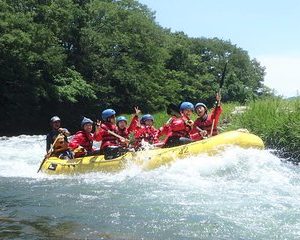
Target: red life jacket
{"x":179,"y":128}
{"x":206,"y":124}
{"x":106,"y":138}
{"x":84,"y":139}
{"x":146,"y":133}
{"x":123,"y":132}
{"x":164,"y":130}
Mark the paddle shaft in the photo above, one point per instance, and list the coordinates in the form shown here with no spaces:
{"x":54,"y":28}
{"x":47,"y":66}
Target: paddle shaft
{"x":219,"y":92}
{"x":49,"y":152}
{"x":111,"y":132}
{"x":117,"y":135}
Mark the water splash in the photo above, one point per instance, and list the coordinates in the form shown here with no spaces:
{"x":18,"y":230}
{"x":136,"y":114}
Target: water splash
{"x":20,"y":157}
{"x":238,"y":194}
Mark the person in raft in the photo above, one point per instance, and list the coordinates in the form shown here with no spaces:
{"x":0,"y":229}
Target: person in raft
{"x":178,"y":128}
{"x":146,"y":132}
{"x":122,"y":128}
{"x":82,"y":142}
{"x":206,"y":124}
{"x":58,"y":137}
{"x":56,"y":129}
{"x":107,"y":132}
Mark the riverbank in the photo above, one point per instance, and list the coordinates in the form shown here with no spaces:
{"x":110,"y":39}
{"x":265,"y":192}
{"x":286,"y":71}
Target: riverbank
{"x":276,"y":121}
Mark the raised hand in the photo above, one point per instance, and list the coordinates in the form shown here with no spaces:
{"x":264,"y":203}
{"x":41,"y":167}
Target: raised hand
{"x":137,"y":111}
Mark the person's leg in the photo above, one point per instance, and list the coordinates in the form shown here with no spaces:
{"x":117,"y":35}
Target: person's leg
{"x":177,"y":141}
{"x":172,"y":142}
{"x":185,"y":140}
{"x":93,"y":153}
{"x":112,"y":152}
{"x":67,"y":155}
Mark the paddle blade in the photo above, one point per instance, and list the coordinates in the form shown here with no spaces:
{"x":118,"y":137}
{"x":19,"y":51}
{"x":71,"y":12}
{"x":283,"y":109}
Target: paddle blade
{"x":173,"y":110}
{"x":223,"y":75}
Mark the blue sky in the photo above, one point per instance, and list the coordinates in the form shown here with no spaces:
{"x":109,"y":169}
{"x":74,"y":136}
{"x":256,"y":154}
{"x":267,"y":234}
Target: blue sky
{"x":268,"y":30}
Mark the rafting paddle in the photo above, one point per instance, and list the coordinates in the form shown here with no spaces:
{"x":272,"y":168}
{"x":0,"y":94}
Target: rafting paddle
{"x":219,"y":95}
{"x":98,"y":125}
{"x":50,"y":150}
{"x":173,"y":110}
{"x":118,"y":136}
{"x":223,"y":77}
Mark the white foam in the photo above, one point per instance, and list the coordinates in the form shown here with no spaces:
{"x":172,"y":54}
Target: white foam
{"x":20,"y":157}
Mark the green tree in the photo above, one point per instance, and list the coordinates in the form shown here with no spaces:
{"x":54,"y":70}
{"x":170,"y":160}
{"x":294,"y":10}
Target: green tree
{"x":77,"y":57}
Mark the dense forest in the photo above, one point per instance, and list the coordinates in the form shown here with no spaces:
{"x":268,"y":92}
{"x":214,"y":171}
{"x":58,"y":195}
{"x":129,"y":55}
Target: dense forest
{"x":77,"y":57}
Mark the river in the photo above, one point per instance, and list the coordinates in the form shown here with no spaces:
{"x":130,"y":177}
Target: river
{"x":239,"y":194}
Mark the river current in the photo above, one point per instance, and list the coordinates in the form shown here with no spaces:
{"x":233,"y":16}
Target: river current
{"x":238,"y":194}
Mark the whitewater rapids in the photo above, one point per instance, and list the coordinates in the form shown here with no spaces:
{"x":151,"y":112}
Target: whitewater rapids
{"x":239,"y":194}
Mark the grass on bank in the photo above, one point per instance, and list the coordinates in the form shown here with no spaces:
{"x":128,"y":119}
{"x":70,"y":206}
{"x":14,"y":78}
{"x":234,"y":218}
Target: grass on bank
{"x":276,"y":121}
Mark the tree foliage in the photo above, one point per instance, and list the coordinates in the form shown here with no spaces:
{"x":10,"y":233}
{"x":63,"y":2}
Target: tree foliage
{"x":77,"y":57}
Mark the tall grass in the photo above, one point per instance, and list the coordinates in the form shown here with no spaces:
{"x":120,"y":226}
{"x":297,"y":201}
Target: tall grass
{"x":276,"y":120}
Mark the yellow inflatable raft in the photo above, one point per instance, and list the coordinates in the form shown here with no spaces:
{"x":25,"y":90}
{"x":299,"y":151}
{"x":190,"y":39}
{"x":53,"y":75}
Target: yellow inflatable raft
{"x":153,"y":158}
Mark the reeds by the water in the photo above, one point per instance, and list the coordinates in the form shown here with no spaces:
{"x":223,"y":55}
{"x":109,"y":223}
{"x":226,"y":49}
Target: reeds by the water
{"x":276,"y":121}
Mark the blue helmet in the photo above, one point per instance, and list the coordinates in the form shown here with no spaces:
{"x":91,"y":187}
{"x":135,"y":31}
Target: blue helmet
{"x":107,"y":113}
{"x":121,"y":118}
{"x":201,"y":105}
{"x":146,"y":117}
{"x":186,"y":105}
{"x":86,"y":121}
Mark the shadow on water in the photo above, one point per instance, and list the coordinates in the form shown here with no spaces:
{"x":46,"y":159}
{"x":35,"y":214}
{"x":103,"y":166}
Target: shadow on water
{"x":41,"y":227}
{"x":47,"y":228}
{"x":285,"y":156}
